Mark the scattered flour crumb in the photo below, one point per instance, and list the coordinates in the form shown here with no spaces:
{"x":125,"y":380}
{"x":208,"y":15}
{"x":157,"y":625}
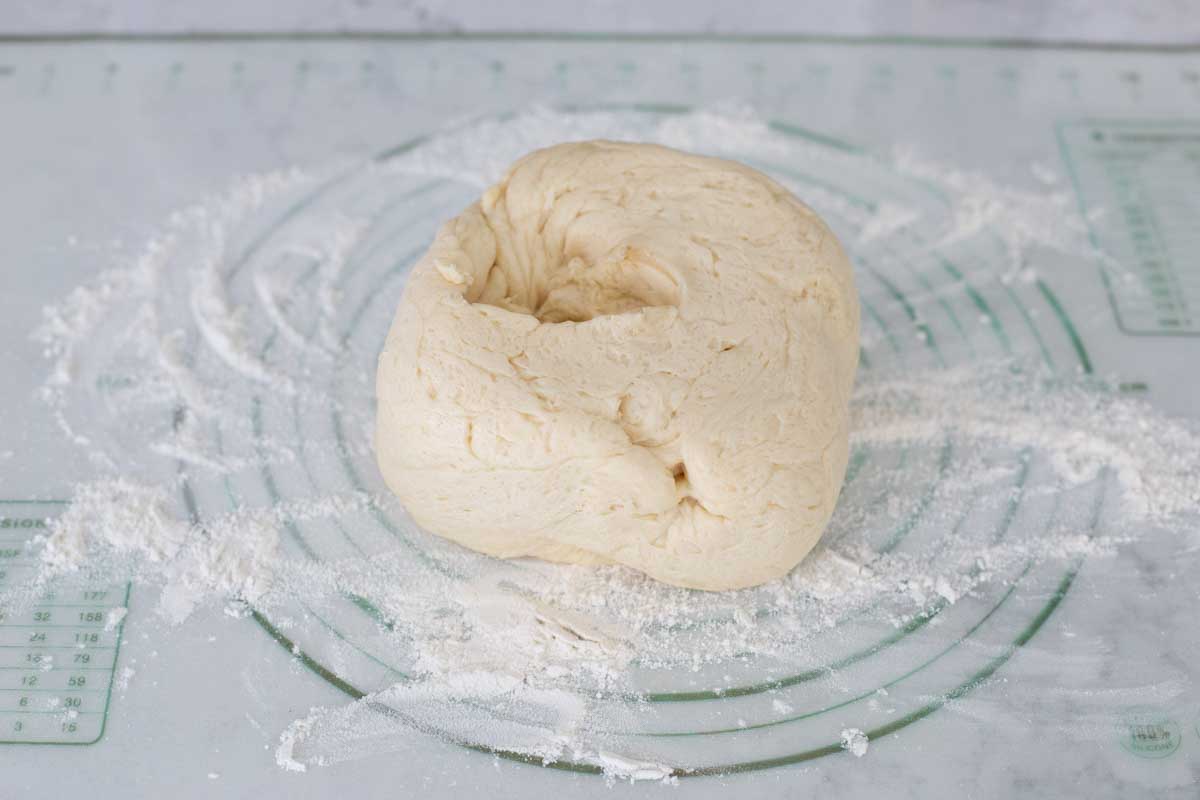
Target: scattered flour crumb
{"x":124,"y":677}
{"x":624,"y":768}
{"x":855,"y":742}
{"x":285,"y":752}
{"x":114,"y":617}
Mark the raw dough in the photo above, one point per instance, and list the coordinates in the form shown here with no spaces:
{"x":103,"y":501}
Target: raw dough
{"x":625,"y":354}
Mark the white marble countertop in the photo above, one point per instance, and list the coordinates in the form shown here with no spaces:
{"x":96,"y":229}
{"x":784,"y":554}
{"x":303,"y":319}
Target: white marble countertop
{"x":1172,"y":21}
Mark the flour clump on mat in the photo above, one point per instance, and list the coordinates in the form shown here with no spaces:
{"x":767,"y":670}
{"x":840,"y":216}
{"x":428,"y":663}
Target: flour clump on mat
{"x":625,"y":354}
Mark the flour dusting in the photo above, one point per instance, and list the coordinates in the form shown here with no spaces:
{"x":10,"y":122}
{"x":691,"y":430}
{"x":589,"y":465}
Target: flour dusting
{"x":222,"y":386}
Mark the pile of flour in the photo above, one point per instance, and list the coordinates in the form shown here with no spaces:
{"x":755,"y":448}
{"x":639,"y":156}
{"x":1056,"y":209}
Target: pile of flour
{"x":523,"y":656}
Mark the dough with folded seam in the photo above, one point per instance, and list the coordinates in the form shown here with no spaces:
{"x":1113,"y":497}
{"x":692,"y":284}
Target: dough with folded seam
{"x":625,"y":354}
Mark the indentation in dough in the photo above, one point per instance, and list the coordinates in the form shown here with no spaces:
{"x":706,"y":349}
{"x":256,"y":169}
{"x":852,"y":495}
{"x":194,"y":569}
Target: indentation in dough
{"x":573,"y":290}
{"x":683,"y":487}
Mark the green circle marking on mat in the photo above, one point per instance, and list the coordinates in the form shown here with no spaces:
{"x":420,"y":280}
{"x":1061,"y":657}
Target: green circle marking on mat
{"x":892,"y":291}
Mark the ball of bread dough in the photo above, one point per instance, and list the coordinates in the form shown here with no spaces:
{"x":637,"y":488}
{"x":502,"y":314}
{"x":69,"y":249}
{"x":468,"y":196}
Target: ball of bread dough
{"x":625,"y":354}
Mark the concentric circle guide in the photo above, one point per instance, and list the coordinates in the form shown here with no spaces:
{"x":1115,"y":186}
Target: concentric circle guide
{"x":923,"y":307}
